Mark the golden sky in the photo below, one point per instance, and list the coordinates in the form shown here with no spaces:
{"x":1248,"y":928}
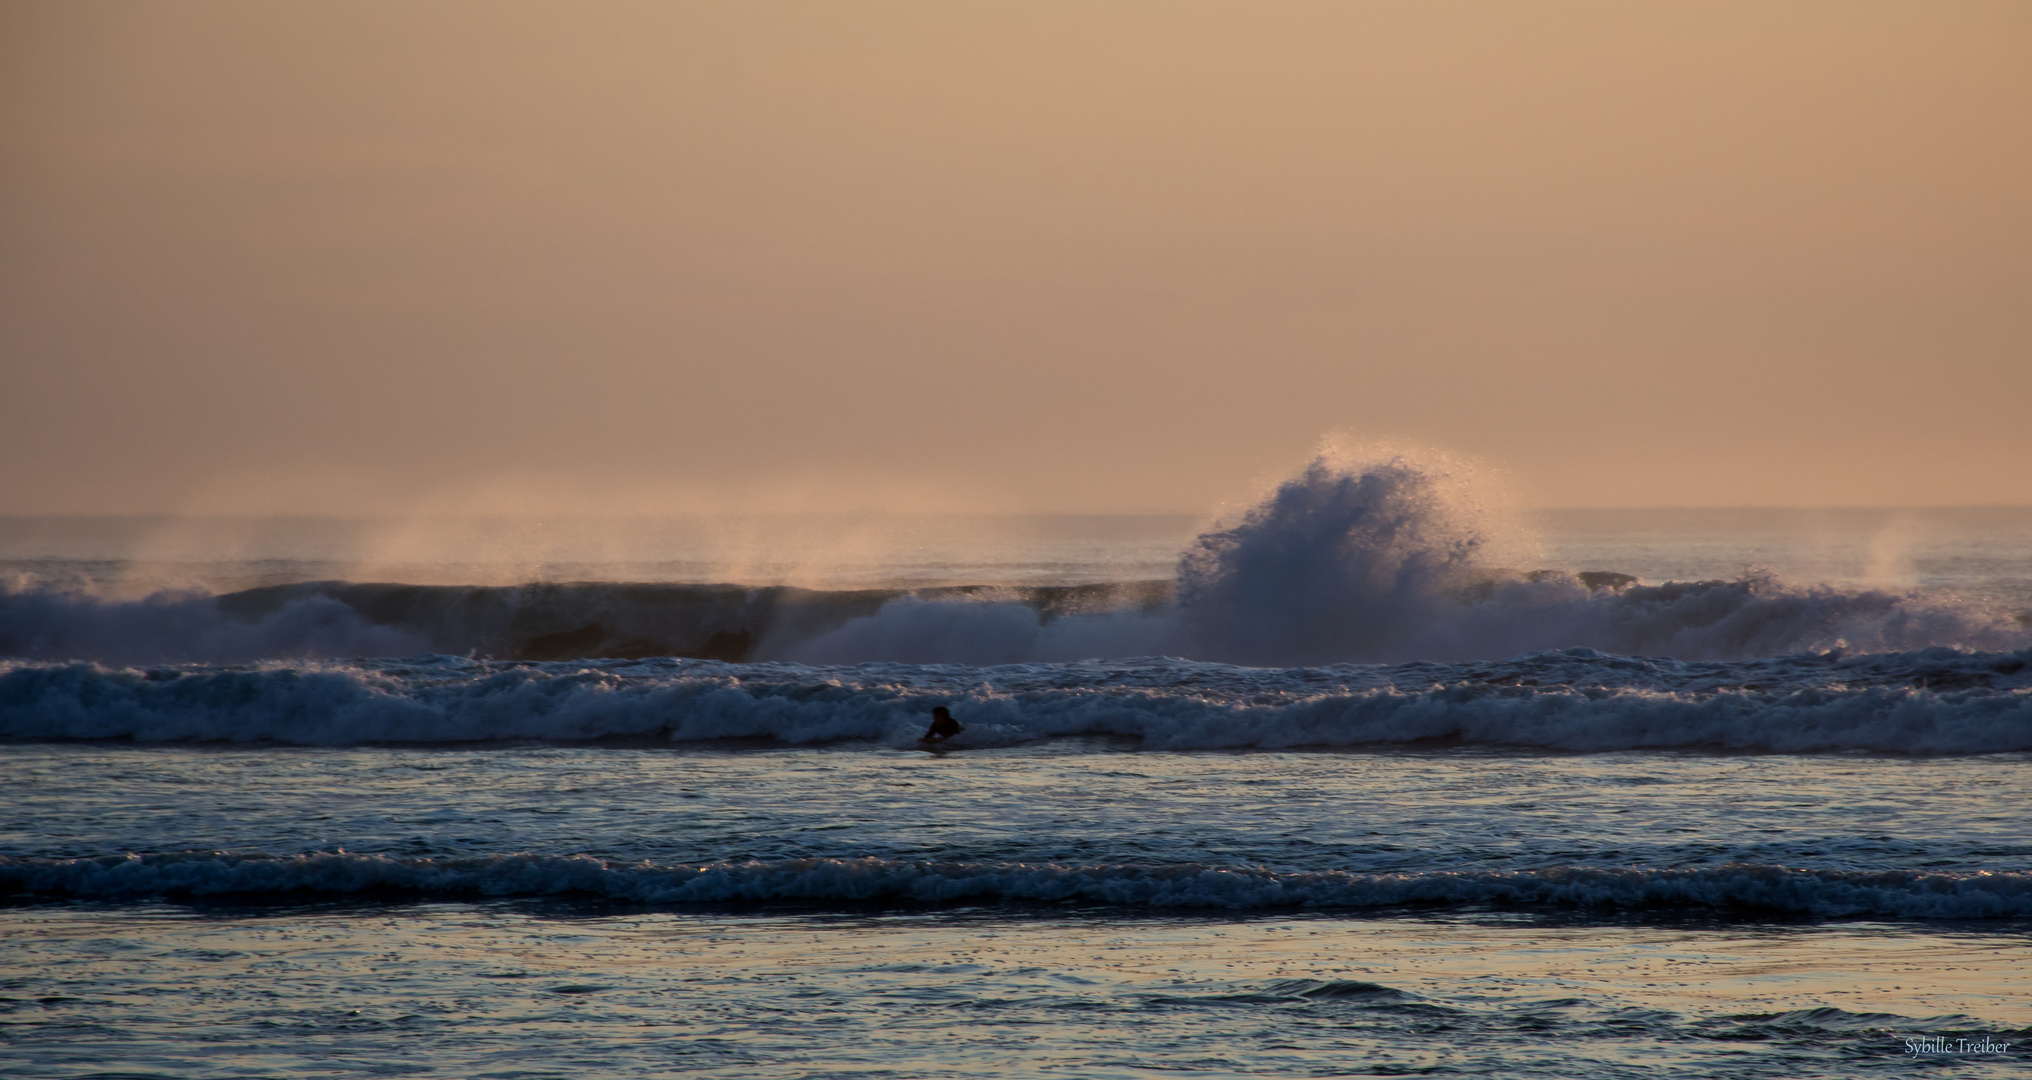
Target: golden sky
{"x":1087,"y":256}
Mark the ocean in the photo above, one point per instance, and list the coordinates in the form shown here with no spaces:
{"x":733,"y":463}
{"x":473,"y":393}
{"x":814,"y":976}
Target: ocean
{"x":1366,"y":778}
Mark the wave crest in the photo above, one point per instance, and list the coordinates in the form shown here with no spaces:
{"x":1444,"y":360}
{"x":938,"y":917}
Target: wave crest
{"x":1349,"y":561}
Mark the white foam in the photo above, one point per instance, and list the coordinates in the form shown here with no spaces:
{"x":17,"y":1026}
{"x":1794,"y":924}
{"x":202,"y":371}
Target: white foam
{"x":1389,"y":560}
{"x":1349,"y":561}
{"x":1933,"y":702}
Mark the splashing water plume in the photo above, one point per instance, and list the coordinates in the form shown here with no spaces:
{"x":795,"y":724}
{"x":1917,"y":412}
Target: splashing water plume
{"x":1344,"y":560}
{"x":1362,"y":556}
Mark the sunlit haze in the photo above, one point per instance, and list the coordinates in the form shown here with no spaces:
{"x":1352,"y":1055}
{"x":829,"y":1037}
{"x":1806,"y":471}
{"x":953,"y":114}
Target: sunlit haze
{"x":732,"y":539}
{"x":381,"y":258}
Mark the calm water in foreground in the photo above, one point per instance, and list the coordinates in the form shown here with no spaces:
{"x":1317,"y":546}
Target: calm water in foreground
{"x":1054,"y":910}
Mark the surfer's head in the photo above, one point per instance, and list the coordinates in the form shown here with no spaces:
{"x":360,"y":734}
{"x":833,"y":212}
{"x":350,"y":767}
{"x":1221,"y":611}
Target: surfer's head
{"x":941,"y":713}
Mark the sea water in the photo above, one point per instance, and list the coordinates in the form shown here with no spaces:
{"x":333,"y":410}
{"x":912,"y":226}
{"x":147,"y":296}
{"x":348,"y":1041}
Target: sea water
{"x":1351,"y":783}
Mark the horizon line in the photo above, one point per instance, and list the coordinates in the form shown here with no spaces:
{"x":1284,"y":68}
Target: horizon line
{"x":669,"y":516}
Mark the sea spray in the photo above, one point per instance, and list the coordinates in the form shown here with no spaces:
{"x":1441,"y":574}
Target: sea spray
{"x":1384,"y":558}
{"x":1345,"y":561}
{"x":1395,"y":558}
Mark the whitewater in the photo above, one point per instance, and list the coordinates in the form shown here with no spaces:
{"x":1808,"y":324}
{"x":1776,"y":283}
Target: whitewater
{"x":1935,"y":701}
{"x":1359,"y":602}
{"x":1364,"y":775}
{"x":1349,"y":561}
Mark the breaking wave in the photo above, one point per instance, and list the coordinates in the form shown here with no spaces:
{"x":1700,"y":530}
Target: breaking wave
{"x":1349,"y":561}
{"x":1937,"y":701}
{"x":1836,"y":893}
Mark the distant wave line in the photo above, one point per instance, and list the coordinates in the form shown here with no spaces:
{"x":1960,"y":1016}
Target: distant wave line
{"x":1906,"y":893}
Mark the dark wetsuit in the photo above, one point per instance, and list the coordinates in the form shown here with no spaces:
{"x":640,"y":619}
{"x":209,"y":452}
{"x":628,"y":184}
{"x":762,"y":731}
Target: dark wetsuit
{"x":943,"y":726}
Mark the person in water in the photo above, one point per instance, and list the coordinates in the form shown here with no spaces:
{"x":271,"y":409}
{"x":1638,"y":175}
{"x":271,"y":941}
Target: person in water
{"x":943,"y":726}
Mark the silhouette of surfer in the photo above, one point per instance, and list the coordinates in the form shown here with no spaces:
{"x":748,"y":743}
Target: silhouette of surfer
{"x":943,"y":726}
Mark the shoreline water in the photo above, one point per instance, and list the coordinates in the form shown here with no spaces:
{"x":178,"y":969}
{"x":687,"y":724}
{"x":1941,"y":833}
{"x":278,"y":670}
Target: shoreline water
{"x":477,"y":990}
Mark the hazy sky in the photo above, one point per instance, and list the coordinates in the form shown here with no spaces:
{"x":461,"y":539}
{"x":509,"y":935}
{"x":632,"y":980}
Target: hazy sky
{"x":1080,"y":256}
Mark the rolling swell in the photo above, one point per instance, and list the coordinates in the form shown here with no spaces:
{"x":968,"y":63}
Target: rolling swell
{"x":1895,"y":893}
{"x":519,"y":622}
